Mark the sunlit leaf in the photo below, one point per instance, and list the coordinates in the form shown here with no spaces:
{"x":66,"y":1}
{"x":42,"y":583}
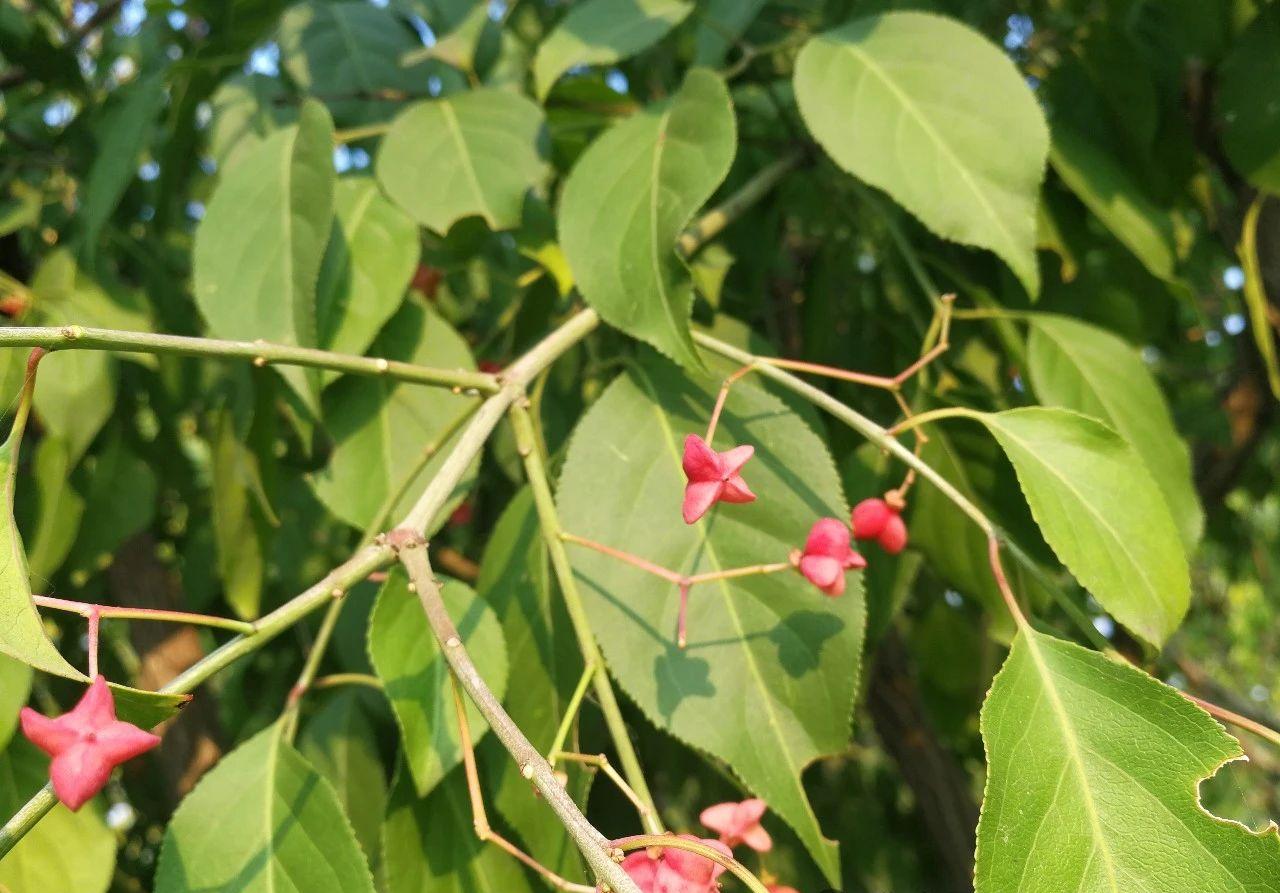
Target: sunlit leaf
{"x":262,"y":820}
{"x":1092,"y":784}
{"x":953,"y":134}
{"x":629,"y":197}
{"x":1078,"y":366}
{"x":1102,"y":513}
{"x":770,"y":654}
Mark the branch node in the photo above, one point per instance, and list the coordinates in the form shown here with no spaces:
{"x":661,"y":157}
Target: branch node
{"x":527,"y":769}
{"x":453,"y":642}
{"x":404,"y":538}
{"x":336,"y":592}
{"x":382,"y":365}
{"x":259,"y":362}
{"x":71,"y":333}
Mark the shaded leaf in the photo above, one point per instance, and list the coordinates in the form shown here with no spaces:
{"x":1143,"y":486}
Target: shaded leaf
{"x":341,"y":744}
{"x":1078,"y":366}
{"x":15,"y":687}
{"x":125,"y":131}
{"x":629,"y":197}
{"x":67,"y":850}
{"x":545,"y":660}
{"x":1255,"y":295}
{"x":1248,"y":82}
{"x":771,"y":653}
{"x":390,"y":437}
{"x":1093,"y":770}
{"x":601,"y":32}
{"x":261,"y":820}
{"x":964,"y":154}
{"x":247,"y":108}
{"x":722,"y":22}
{"x":1102,"y":513}
{"x":476,"y":153}
{"x":241,"y":558}
{"x":429,"y":845}
{"x":350,"y":49}
{"x":60,"y":510}
{"x":1115,"y":199}
{"x":415,"y":676}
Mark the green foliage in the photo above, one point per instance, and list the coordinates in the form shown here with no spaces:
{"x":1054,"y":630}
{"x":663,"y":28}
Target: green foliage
{"x":1092,"y":782}
{"x":69,"y":850}
{"x":907,"y":125}
{"x":464,"y":186}
{"x":474,"y":154}
{"x":656,"y":169}
{"x":416,"y":678}
{"x":768,"y":653}
{"x":262,"y":819}
{"x":599,"y":32}
{"x":1100,"y":510}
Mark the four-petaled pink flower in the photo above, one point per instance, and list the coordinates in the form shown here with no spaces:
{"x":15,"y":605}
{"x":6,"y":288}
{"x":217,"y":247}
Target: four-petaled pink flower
{"x":675,"y":871}
{"x":827,"y":555}
{"x":85,"y":743}
{"x":739,"y":823}
{"x":713,"y":477}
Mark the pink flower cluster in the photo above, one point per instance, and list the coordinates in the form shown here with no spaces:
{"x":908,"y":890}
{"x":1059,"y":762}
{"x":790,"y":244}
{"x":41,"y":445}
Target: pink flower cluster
{"x":671,"y":870}
{"x":717,"y":477}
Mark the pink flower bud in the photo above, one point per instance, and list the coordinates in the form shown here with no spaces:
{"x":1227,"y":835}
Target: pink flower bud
{"x":86,"y":743}
{"x":713,"y":477}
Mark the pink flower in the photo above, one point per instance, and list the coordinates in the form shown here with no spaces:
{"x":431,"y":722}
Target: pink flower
{"x":86,"y":743}
{"x":880,"y":520}
{"x":739,"y":823}
{"x":713,"y":477}
{"x":827,"y":555}
{"x":675,"y":871}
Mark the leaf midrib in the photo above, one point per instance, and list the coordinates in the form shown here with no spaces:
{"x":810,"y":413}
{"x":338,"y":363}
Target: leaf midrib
{"x":1073,"y":754}
{"x":455,"y":133}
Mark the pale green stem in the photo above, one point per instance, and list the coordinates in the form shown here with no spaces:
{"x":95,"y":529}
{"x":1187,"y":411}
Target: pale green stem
{"x":535,"y":471}
{"x":571,"y":711}
{"x":260,"y":353}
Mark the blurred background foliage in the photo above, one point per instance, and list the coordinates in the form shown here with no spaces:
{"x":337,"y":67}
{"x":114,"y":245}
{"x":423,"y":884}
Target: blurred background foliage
{"x":199,"y":484}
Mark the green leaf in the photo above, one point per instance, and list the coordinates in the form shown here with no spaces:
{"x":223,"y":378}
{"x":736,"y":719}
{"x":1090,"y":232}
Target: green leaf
{"x":256,"y":277}
{"x":1248,"y":82}
{"x":241,"y":558}
{"x":429,"y":845}
{"x":15,"y":687}
{"x":125,"y":131}
{"x":22,"y":634}
{"x":720,"y":25}
{"x":771,"y":653}
{"x":1093,"y":771}
{"x":601,"y":32}
{"x":543,"y":653}
{"x":1082,"y":367}
{"x":262,"y":820}
{"x":120,"y":499}
{"x":476,"y":153}
{"x":964,"y":154}
{"x":67,"y":850}
{"x":1101,"y":512}
{"x":372,"y":254}
{"x":1109,"y":191}
{"x":350,"y":49}
{"x":61,"y":509}
{"x":390,"y":437}
{"x":415,"y":676}
{"x":629,"y":197}
{"x":247,"y":108}
{"x":342,"y":744}
{"x":76,"y":390}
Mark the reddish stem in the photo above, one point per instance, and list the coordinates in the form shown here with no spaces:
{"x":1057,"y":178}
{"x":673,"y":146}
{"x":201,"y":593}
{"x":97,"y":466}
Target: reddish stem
{"x":95,"y":618}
